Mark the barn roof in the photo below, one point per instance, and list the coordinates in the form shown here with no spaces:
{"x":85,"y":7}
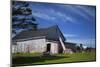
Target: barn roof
{"x":50,"y":33}
{"x":71,"y":46}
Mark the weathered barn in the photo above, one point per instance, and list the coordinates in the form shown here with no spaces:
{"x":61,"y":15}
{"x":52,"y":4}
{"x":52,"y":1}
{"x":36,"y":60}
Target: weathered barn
{"x":70,"y":47}
{"x":41,"y":40}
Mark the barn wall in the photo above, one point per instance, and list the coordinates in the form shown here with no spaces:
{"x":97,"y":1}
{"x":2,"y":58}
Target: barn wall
{"x":37,"y":45}
{"x":14,"y":48}
{"x":54,"y":47}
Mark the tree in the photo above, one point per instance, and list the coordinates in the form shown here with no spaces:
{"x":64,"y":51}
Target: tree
{"x":80,"y":48}
{"x":22,"y":18}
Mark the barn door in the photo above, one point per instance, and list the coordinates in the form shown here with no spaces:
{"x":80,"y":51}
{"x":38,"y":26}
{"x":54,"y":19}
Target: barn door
{"x":48,"y":47}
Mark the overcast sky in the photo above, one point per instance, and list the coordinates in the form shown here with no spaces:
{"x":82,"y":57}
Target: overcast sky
{"x":77,"y":22}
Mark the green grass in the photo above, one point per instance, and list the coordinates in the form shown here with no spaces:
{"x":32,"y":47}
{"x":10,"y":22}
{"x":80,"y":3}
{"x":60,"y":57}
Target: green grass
{"x":35,"y":58}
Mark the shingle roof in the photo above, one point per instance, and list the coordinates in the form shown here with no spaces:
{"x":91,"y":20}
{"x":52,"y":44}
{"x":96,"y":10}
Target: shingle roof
{"x":51,"y":33}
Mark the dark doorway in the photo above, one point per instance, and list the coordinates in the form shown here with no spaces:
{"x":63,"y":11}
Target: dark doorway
{"x":48,"y":47}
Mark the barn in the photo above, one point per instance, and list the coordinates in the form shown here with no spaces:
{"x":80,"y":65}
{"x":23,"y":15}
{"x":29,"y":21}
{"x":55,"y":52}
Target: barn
{"x":70,"y":47}
{"x":41,"y":40}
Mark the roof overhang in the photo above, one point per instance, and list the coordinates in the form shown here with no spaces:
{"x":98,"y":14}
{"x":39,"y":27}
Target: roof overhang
{"x":26,"y":39}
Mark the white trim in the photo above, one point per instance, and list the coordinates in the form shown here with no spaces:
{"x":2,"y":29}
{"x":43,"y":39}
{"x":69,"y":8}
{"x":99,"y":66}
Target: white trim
{"x":63,"y":46}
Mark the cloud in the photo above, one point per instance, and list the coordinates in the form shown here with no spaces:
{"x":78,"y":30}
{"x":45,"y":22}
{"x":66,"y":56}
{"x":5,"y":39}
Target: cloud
{"x":79,"y":10}
{"x":71,"y":19}
{"x":88,"y":11}
{"x":65,"y":17}
{"x":70,"y":35}
{"x":53,"y":15}
{"x":64,"y":13}
{"x":43,"y":16}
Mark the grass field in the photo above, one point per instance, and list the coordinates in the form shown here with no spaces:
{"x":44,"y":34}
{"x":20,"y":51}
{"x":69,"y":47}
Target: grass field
{"x":35,"y":58}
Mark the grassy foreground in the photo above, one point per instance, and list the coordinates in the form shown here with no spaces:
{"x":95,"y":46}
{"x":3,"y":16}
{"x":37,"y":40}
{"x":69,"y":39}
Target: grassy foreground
{"x":35,"y":58}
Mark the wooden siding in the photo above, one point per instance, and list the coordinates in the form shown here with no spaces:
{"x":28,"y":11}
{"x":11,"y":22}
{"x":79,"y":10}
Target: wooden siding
{"x":54,"y":47}
{"x":38,"y":45}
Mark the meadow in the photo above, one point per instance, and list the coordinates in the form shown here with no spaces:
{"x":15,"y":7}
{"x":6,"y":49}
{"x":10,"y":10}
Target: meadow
{"x":36,"y":58}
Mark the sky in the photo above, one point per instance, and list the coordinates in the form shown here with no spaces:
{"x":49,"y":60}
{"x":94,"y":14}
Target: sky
{"x":76,"y":22}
